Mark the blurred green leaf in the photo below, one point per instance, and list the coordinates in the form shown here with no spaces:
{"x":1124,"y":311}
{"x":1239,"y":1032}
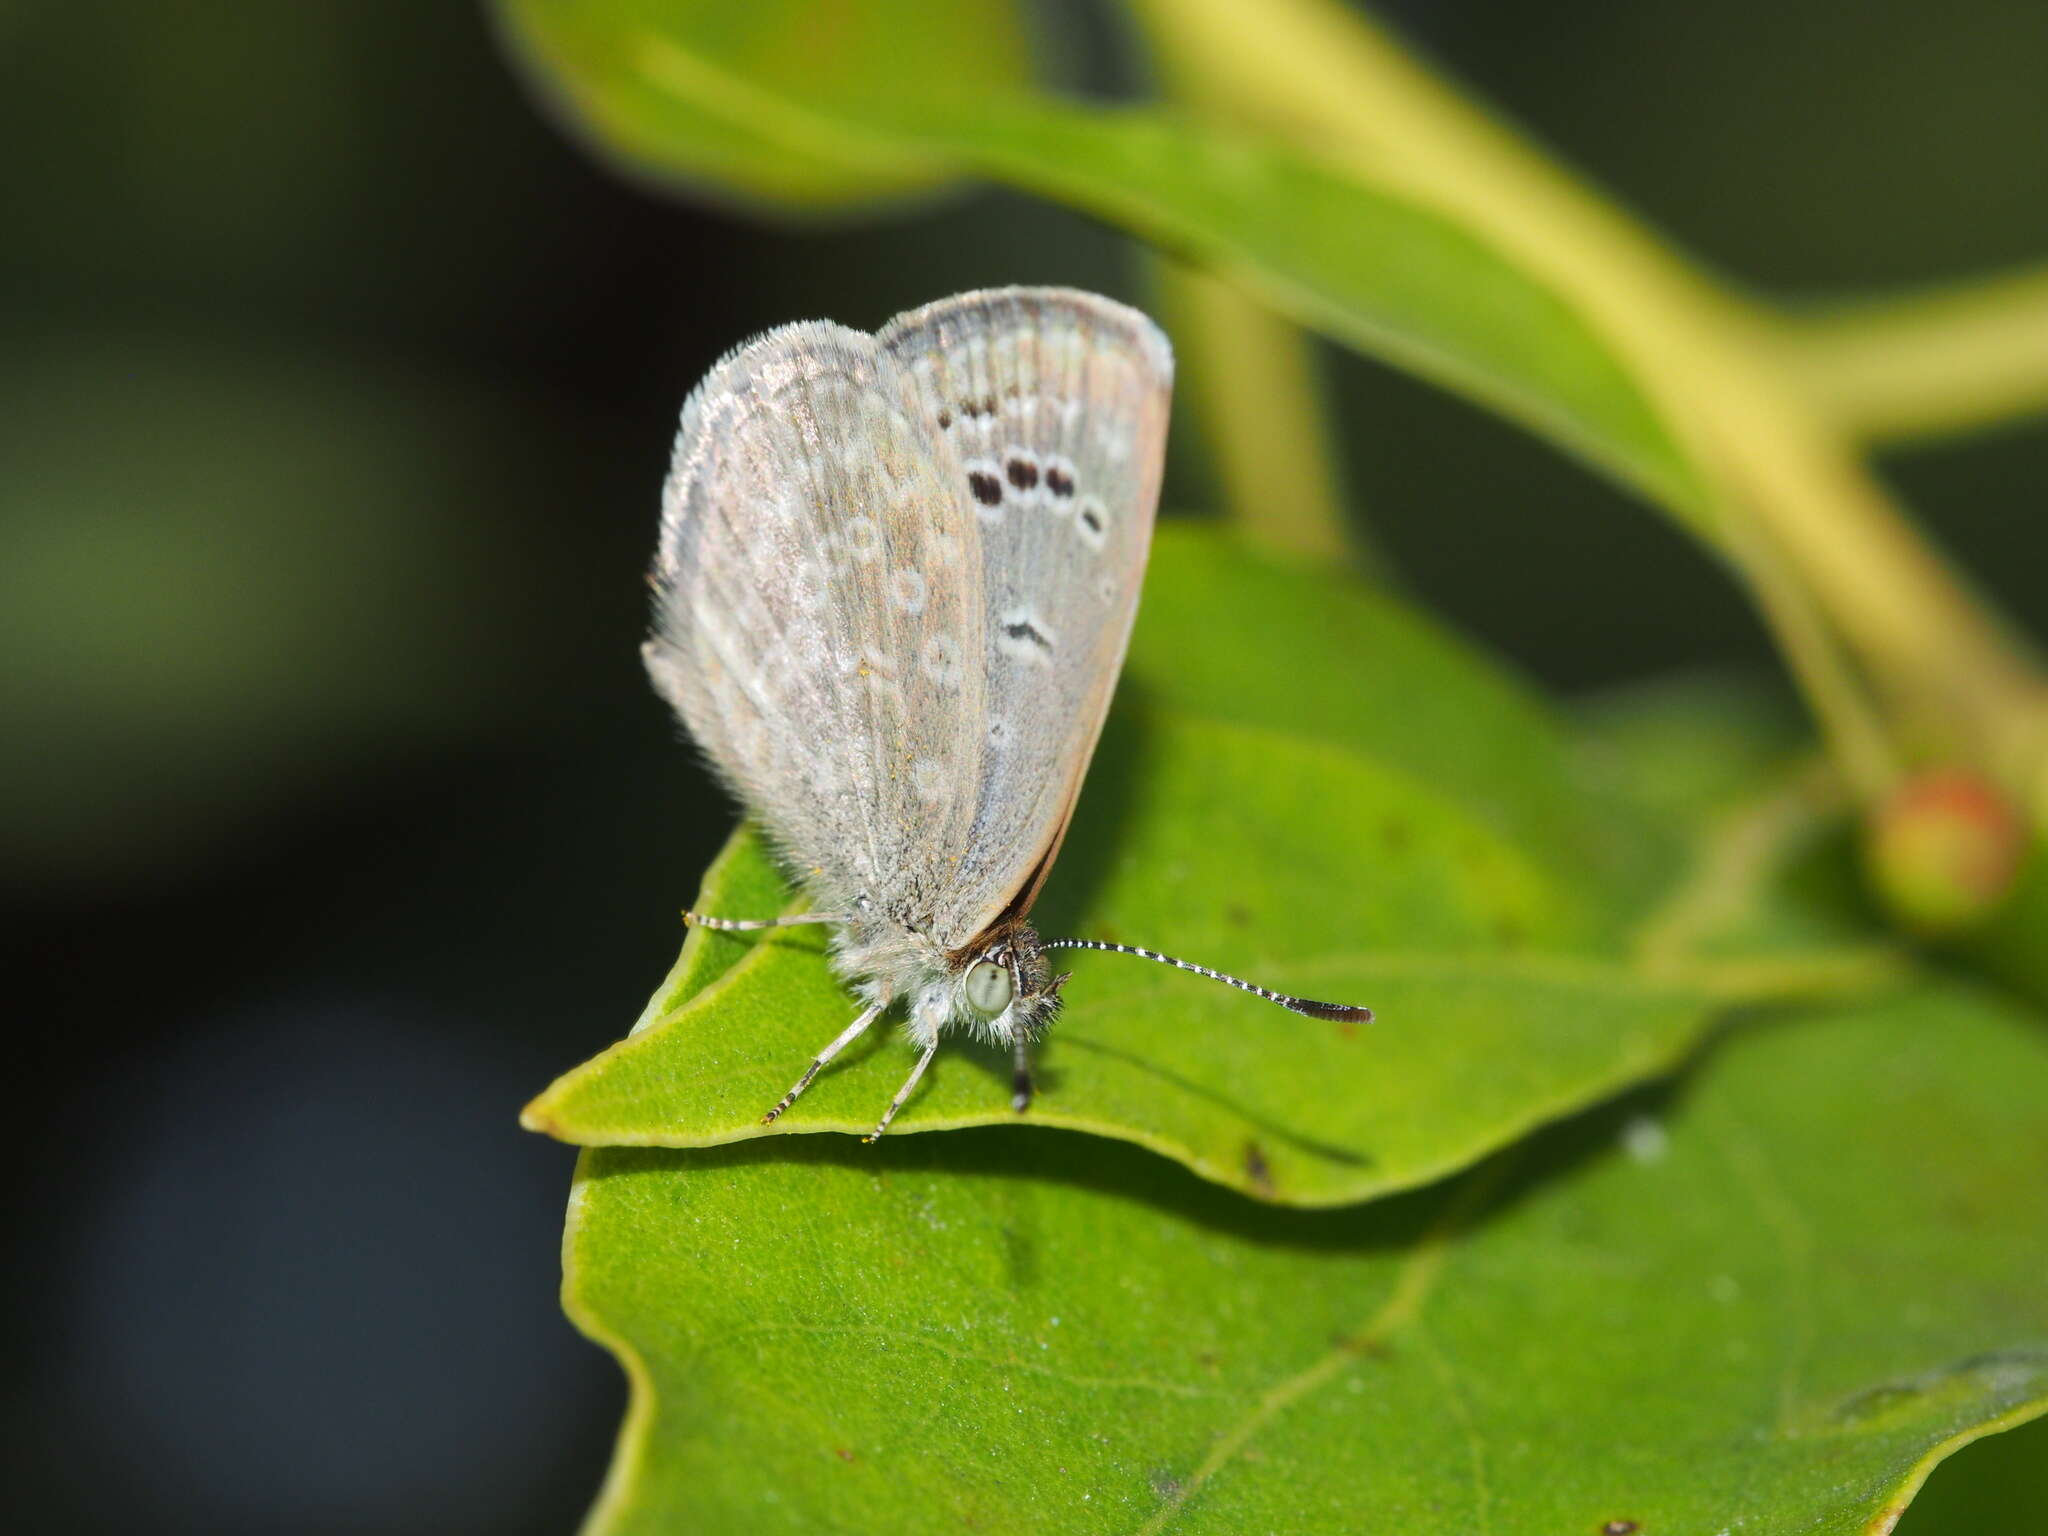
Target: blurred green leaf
{"x":230,"y":572}
{"x":653,"y":83}
{"x":1774,"y":869}
{"x":1761,"y":1301}
{"x":1409,"y":843}
{"x":1688,"y":745}
{"x":1365,"y":263}
{"x":2010,"y":946}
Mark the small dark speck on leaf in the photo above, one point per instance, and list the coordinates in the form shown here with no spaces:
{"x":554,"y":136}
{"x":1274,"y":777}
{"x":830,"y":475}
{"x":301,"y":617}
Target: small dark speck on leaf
{"x":1236,"y":916}
{"x":1371,"y":1346}
{"x":1257,"y":1171}
{"x":1619,"y":1528}
{"x":1347,"y":1029}
{"x":1165,"y":1484}
{"x":843,"y":1452}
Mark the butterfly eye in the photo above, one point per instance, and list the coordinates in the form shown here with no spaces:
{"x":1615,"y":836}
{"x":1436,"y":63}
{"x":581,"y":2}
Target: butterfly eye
{"x":988,"y":988}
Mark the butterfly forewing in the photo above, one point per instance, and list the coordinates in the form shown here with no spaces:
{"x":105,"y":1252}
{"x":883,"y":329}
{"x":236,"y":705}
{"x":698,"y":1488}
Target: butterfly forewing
{"x":1051,"y":408}
{"x":819,"y":616}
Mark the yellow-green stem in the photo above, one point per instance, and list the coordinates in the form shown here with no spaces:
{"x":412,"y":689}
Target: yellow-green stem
{"x":1250,"y":377}
{"x":1926,"y":364}
{"x":1324,"y":78}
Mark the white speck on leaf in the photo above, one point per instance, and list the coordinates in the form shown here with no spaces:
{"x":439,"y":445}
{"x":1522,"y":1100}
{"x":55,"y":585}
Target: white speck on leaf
{"x":1645,"y":1139}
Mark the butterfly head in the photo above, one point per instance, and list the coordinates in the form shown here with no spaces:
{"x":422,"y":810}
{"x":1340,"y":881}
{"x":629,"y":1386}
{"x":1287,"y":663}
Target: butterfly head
{"x":1006,"y":988}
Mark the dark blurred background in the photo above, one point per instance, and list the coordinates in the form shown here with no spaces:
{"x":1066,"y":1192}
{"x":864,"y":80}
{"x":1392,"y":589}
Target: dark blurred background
{"x":336,"y":388}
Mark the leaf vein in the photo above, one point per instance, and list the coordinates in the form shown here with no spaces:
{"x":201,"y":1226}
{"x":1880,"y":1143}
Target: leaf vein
{"x":1412,"y":1287}
{"x":992,"y":1362}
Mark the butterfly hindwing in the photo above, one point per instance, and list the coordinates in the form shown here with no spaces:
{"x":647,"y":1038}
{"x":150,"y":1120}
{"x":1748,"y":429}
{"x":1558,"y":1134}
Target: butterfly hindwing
{"x":1052,"y":406}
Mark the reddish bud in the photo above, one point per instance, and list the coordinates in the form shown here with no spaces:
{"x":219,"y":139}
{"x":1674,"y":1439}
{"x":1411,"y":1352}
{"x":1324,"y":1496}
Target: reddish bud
{"x":1944,"y":850}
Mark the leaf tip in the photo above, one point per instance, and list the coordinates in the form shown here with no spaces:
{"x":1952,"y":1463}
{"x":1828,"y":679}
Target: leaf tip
{"x":538,"y":1116}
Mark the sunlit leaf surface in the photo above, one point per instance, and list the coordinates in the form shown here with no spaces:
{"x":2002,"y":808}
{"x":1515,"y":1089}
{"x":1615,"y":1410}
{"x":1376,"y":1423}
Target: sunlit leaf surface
{"x":1416,"y":842}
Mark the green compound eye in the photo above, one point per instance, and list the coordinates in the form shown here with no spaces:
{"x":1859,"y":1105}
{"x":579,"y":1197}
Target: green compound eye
{"x":988,"y":988}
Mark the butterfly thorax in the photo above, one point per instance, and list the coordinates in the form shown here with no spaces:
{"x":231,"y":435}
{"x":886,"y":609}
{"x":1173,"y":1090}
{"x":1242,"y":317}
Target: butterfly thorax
{"x":999,"y":987}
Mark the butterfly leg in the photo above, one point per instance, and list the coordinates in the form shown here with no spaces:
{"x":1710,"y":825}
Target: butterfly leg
{"x":749,"y":924}
{"x":1020,"y":1078}
{"x":847,"y":1036}
{"x":904,"y":1092}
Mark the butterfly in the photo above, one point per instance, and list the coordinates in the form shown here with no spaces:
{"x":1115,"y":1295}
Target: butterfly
{"x":895,"y":580}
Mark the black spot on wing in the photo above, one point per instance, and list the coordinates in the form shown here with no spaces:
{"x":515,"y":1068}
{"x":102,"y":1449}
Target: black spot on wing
{"x":1059,"y":482}
{"x":988,"y":490}
{"x":1024,"y":629}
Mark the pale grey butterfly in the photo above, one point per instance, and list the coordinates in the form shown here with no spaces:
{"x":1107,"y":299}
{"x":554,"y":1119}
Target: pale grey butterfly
{"x":896,"y":577}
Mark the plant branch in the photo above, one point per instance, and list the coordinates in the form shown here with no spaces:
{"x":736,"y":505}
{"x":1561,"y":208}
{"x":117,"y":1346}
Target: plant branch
{"x":1744,"y":850}
{"x":1327,"y":80}
{"x":1264,"y":413}
{"x":1250,"y":377}
{"x":1848,"y":718}
{"x":1926,"y":364}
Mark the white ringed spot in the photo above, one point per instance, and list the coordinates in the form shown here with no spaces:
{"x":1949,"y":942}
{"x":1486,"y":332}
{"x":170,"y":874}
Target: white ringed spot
{"x":941,"y":660}
{"x":862,"y":540}
{"x":928,"y":779}
{"x":909,"y":591}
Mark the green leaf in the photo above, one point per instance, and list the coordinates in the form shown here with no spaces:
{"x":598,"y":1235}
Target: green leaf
{"x":1774,"y":868}
{"x":1692,"y":744}
{"x":670,"y":88}
{"x":2009,"y":946}
{"x":1366,"y":263}
{"x":1413,"y":844}
{"x":1996,"y":1479}
{"x":144,"y":545}
{"x":1261,"y":643}
{"x":1765,"y":1300}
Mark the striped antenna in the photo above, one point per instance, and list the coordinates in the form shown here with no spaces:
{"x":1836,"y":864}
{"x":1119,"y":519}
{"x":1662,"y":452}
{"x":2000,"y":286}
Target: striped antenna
{"x":1344,"y":1012}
